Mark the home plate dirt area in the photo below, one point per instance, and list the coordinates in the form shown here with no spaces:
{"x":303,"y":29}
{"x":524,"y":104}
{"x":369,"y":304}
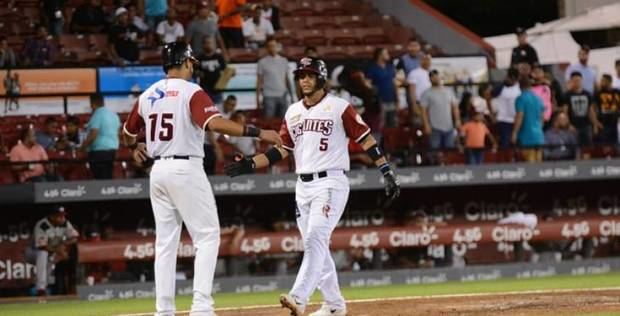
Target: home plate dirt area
{"x":558,"y":302}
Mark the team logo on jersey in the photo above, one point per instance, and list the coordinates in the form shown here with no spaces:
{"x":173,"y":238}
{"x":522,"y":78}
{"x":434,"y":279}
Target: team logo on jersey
{"x":156,"y":95}
{"x":294,"y":119}
{"x":324,"y":127}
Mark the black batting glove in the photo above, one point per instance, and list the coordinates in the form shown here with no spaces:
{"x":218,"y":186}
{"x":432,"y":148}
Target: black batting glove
{"x":241,"y":166}
{"x":392,"y":185}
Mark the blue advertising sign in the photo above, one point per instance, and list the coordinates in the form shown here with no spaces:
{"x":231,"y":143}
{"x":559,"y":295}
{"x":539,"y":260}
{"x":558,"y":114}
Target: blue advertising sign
{"x":128,"y":79}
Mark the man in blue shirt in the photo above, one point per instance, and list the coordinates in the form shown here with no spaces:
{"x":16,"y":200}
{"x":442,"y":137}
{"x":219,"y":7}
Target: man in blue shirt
{"x":587,"y":73}
{"x":527,"y":131}
{"x":102,"y":139}
{"x":382,"y":74}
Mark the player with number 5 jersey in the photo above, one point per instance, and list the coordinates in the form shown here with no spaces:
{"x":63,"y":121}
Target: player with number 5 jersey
{"x":317,"y":130}
{"x":175,"y":113}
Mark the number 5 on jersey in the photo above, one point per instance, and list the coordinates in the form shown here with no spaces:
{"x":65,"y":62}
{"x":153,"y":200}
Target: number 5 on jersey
{"x":166,"y":126}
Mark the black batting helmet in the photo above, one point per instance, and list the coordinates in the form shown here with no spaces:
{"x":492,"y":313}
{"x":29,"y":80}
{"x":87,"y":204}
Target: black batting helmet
{"x":313,"y":65}
{"x":174,"y":54}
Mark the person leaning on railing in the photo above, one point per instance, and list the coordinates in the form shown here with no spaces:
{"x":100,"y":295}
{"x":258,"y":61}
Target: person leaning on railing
{"x":27,"y":157}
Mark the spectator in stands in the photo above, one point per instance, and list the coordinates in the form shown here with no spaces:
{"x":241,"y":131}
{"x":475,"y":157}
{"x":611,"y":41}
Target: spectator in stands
{"x":271,"y":12}
{"x":54,"y":240}
{"x":7,"y":55}
{"x":53,"y":11}
{"x":155,"y":12}
{"x":560,"y":139}
{"x":49,"y":135}
{"x":231,"y":23}
{"x":12,"y":88}
{"x":440,"y":113}
{"x":202,"y":26}
{"x":382,"y":74}
{"x":272,"y":82}
{"x":310,"y":51}
{"x":257,"y":29}
{"x":578,"y":103}
{"x":123,"y":38}
{"x":229,"y":106}
{"x":527,"y":130}
{"x":418,"y":81}
{"x":39,"y":50}
{"x":74,"y":135}
{"x":170,"y":30}
{"x":136,"y":19}
{"x":542,"y":88}
{"x":210,"y":66}
{"x":27,"y":150}
{"x":411,"y":59}
{"x":243,"y":145}
{"x":483,"y":103}
{"x":88,"y":18}
{"x":616,"y":83}
{"x":505,"y":101}
{"x":474,"y":133}
{"x":524,"y":52}
{"x":608,"y":109}
{"x":588,"y":74}
{"x":102,"y":139}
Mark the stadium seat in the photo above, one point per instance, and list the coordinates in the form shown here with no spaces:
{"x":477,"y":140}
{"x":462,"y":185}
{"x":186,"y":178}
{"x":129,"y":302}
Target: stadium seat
{"x":330,"y":8}
{"x":333,"y":52}
{"x":98,"y":42}
{"x":372,"y":35}
{"x":321,"y":22}
{"x":150,"y":56}
{"x":361,"y":51}
{"x":312,"y":37}
{"x":294,"y":52}
{"x":397,"y":139}
{"x":286,"y":37}
{"x":343,"y":36}
{"x":349,"y":21}
{"x":73,"y":43}
{"x":242,"y":55}
{"x":293,"y":22}
{"x":294,"y":8}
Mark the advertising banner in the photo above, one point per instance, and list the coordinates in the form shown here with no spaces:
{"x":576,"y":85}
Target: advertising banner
{"x":52,"y":81}
{"x":128,"y":79}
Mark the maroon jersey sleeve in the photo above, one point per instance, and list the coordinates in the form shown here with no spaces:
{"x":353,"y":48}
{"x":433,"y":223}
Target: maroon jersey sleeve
{"x":134,"y":122}
{"x":202,"y":109}
{"x":287,"y":141}
{"x":354,"y":126}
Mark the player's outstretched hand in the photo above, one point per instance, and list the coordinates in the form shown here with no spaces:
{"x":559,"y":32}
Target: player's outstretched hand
{"x":392,"y":185}
{"x":270,"y":136}
{"x":242,"y":165}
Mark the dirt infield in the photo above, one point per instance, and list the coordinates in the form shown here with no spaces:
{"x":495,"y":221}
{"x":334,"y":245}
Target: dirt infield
{"x":530,"y":303}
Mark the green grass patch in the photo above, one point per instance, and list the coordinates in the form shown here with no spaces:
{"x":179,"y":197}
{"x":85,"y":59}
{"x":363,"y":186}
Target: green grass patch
{"x":82,"y":308}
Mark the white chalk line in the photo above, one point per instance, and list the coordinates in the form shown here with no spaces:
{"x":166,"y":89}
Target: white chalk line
{"x":406,"y":298}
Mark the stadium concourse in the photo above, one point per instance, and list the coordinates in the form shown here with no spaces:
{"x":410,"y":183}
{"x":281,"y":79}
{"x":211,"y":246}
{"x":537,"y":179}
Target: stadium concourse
{"x":505,"y":173}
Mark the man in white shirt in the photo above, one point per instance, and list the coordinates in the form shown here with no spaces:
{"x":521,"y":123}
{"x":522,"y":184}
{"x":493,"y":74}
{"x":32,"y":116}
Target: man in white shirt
{"x":171,"y":30}
{"x":506,"y":108}
{"x":256,"y":29}
{"x":616,"y":83}
{"x":419,"y":81}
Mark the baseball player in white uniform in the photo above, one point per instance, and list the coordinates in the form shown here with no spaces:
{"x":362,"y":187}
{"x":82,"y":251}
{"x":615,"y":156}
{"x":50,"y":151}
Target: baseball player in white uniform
{"x":316,"y":130}
{"x":175,"y":114}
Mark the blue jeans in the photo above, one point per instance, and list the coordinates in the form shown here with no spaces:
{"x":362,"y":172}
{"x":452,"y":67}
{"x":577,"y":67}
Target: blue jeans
{"x":505,"y":133}
{"x":274,"y":106}
{"x":474,"y":156}
{"x":442,"y":139}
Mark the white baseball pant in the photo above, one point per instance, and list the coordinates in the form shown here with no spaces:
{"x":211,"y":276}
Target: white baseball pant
{"x":181,"y":193}
{"x":320,"y":204}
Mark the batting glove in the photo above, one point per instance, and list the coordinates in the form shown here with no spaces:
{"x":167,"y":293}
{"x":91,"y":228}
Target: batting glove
{"x":242,"y":166}
{"x":392,"y":185}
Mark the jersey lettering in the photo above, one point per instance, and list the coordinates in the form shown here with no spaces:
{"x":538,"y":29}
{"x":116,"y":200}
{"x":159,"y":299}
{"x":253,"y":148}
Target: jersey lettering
{"x":324,"y":127}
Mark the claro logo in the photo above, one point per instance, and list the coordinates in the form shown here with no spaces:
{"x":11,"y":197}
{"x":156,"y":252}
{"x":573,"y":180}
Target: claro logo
{"x":10,"y":270}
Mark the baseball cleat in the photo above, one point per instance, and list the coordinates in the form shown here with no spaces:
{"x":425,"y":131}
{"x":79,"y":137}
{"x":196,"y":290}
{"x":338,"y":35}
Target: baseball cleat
{"x":289,"y":302}
{"x":328,"y":311}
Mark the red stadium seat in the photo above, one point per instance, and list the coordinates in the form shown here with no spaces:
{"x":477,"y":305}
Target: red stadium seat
{"x":330,"y":8}
{"x":321,"y":22}
{"x":73,"y":43}
{"x":361,"y":51}
{"x":333,"y":52}
{"x":294,"y":52}
{"x":293,"y":22}
{"x":372,"y":35}
{"x":312,"y":37}
{"x":293,"y":8}
{"x":242,"y":55}
{"x":343,"y":37}
{"x":286,"y":37}
{"x":349,"y":21}
{"x":150,"y":56}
